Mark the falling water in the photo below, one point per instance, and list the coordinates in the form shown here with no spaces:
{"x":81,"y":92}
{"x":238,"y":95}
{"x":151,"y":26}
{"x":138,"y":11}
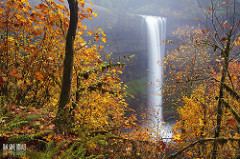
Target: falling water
{"x":156,"y":36}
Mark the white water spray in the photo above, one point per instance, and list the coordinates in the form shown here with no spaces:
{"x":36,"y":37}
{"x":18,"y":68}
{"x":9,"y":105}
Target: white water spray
{"x":156,"y":36}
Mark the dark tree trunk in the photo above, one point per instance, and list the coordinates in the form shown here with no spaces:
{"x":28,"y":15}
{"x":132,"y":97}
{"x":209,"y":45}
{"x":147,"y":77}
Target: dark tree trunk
{"x":225,"y":56}
{"x":63,"y":117}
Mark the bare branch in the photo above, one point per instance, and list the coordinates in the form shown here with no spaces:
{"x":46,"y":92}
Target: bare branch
{"x":233,"y":111}
{"x":221,"y":139}
{"x":233,"y":93}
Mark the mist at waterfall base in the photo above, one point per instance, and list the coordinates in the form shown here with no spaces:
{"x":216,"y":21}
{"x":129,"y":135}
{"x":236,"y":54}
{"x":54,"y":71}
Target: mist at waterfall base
{"x":156,"y":37}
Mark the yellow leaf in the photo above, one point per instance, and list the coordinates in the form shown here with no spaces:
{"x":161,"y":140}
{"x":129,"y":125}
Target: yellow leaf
{"x":90,"y":33}
{"x":177,"y":137}
{"x":201,"y":123}
{"x":49,"y":137}
{"x":11,"y":39}
{"x":104,"y":39}
{"x":94,"y":14}
{"x":82,"y":3}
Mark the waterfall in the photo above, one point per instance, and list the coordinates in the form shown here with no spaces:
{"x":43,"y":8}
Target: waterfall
{"x":156,"y":36}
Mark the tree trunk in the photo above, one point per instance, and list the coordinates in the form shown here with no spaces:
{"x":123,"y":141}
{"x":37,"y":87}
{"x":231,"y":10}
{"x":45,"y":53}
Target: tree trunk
{"x":225,"y":56}
{"x":63,"y":116}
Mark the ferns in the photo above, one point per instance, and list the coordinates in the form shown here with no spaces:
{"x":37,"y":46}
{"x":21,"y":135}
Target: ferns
{"x":76,"y":150}
{"x":15,"y":124}
{"x":20,"y":138}
{"x":52,"y":150}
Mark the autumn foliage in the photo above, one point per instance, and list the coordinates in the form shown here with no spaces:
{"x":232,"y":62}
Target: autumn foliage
{"x":201,"y":83}
{"x":32,"y":52}
{"x":32,"y":47}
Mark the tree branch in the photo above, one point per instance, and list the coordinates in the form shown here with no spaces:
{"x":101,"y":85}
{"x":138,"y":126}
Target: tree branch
{"x":221,"y":139}
{"x":233,"y":111}
{"x":233,"y":93}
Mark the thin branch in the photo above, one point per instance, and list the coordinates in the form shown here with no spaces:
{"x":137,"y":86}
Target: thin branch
{"x":214,"y":26}
{"x":233,"y":93}
{"x":81,"y":47}
{"x":194,"y":80}
{"x":233,"y":111}
{"x":221,"y":139}
{"x":60,"y":20}
{"x":230,"y":79}
{"x":86,"y":74}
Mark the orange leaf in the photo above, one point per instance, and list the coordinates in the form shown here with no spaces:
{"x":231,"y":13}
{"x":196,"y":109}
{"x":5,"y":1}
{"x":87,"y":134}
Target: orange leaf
{"x":89,"y":10}
{"x":41,"y":6}
{"x":39,"y":76}
{"x":232,"y":122}
{"x":14,"y":73}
